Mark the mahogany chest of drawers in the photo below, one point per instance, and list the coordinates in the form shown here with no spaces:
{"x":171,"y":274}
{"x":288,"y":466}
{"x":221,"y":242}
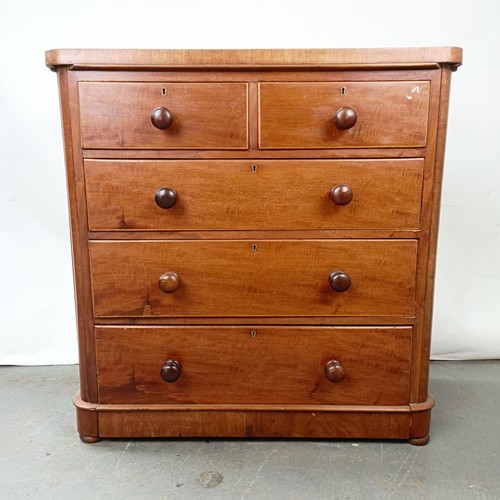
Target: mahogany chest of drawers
{"x":254,"y":238}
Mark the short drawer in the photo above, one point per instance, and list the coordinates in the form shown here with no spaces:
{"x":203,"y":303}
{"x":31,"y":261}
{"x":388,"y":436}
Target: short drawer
{"x":253,"y":278}
{"x":343,"y":115}
{"x":203,"y":115}
{"x":254,"y":365}
{"x":245,"y":195}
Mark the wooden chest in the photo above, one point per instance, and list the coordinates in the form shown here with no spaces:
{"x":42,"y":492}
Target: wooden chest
{"x":254,"y":238}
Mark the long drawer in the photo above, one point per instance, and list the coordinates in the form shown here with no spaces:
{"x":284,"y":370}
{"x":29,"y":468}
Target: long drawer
{"x":310,"y":115}
{"x":258,"y":365}
{"x":245,"y":195}
{"x":253,"y":278}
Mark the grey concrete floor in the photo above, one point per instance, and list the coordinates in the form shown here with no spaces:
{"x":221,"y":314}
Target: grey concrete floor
{"x":41,"y":456}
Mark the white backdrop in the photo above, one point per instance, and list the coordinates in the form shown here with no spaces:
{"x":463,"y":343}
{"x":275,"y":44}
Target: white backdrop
{"x":37,"y":324}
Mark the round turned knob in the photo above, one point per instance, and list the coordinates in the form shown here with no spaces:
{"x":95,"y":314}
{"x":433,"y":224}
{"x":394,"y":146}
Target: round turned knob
{"x":169,"y":282}
{"x":171,"y":370}
{"x":345,"y":118}
{"x":161,"y":118}
{"x":166,"y":197}
{"x":334,"y":371}
{"x":341,"y":194}
{"x":339,"y":281}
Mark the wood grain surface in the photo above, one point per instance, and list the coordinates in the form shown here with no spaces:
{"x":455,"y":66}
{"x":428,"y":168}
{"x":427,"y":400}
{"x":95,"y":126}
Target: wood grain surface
{"x":141,"y":59}
{"x":246,"y":195}
{"x":254,"y":238}
{"x":253,"y":278}
{"x":273,"y":365}
{"x":205,"y":115}
{"x":300,"y":115}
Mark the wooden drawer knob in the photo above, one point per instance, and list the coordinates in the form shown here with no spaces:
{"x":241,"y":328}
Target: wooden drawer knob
{"x":166,"y":197}
{"x":169,"y":282}
{"x":339,"y":281}
{"x":334,"y":371}
{"x":171,"y":371}
{"x":345,"y":118}
{"x":341,"y":194}
{"x":161,"y":118}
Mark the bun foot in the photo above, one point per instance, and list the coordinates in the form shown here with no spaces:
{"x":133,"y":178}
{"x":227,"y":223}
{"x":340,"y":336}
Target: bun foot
{"x":90,"y":439}
{"x":419,"y":441}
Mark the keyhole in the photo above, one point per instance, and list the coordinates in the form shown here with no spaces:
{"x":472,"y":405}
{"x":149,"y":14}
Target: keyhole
{"x":163,"y":91}
{"x":254,"y":168}
{"x":254,"y":247}
{"x":253,"y":333}
{"x":343,"y":91}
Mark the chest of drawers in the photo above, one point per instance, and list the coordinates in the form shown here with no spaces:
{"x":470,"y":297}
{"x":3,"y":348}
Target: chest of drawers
{"x":254,"y":238}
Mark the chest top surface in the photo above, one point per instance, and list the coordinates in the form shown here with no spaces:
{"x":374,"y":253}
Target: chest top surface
{"x":340,"y":58}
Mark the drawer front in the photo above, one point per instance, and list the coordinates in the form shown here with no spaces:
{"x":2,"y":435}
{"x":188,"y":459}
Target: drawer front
{"x":241,"y":195}
{"x":301,"y":115}
{"x":253,"y":278}
{"x":258,"y":365}
{"x":204,"y":115}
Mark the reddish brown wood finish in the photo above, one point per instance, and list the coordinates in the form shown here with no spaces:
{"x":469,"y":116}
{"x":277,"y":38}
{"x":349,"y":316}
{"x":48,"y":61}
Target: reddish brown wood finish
{"x":325,"y":421}
{"x":428,"y":253}
{"x":425,"y":57}
{"x":255,"y":424}
{"x":248,"y":188}
{"x":79,"y":236}
{"x":304,"y":115}
{"x":264,"y":365}
{"x":87,"y":423}
{"x":203,"y":115}
{"x":241,"y":195}
{"x":253,"y":278}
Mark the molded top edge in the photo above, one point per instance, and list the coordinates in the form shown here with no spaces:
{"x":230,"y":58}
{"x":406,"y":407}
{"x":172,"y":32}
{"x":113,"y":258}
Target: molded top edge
{"x":165,"y":58}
